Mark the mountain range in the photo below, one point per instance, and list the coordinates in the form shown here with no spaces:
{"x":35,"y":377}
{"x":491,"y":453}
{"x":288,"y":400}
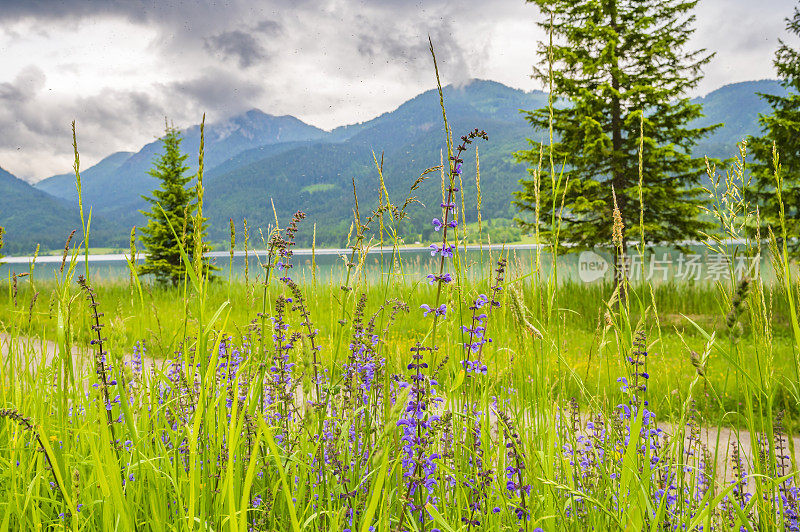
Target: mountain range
{"x":254,"y":160}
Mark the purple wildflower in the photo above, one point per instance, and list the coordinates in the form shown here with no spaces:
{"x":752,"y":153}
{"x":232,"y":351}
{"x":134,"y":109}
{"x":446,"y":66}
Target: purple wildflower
{"x":441,"y":310}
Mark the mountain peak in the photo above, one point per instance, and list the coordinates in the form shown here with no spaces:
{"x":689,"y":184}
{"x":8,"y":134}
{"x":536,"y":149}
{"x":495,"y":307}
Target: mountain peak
{"x":254,"y":125}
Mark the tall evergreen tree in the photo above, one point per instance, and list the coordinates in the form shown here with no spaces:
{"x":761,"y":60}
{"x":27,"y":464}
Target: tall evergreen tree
{"x":620,"y":70}
{"x":781,"y":129}
{"x":178,"y":201}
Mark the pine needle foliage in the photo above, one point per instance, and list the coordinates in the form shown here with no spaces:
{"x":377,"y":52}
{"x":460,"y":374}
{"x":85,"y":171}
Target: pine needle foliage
{"x":172,"y":204}
{"x":608,"y":63}
{"x":780,"y":131}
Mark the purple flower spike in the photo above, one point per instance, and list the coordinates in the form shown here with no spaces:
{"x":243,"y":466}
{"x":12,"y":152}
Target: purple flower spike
{"x":441,"y":310}
{"x":445,"y":278}
{"x":453,"y":223}
{"x":447,"y":251}
{"x":437,"y":224}
{"x":457,"y":169}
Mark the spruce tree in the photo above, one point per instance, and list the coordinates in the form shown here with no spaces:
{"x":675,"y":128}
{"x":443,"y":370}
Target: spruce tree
{"x":781,"y":130}
{"x":619,"y":70}
{"x":178,"y":201}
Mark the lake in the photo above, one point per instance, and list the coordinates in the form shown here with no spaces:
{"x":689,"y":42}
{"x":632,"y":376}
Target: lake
{"x":696,"y":265}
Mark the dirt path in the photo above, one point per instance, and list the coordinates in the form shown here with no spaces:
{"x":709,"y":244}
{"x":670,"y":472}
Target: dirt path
{"x":38,"y":355}
{"x":722,"y":441}
{"x":35,"y":354}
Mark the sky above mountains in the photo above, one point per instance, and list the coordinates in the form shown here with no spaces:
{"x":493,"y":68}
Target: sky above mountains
{"x":118,"y":67}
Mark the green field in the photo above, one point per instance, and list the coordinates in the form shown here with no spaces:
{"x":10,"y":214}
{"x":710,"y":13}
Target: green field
{"x":227,"y":454}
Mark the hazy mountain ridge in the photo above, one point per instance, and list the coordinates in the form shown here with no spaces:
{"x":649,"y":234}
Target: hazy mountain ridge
{"x":30,"y":216}
{"x":737,"y":105}
{"x":255,"y":157}
{"x":63,"y":185}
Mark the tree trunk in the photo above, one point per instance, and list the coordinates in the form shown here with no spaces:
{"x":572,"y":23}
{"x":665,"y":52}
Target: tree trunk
{"x":617,"y":168}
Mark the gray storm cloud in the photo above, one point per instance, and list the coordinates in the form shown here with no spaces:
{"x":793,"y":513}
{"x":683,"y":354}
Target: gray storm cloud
{"x":24,"y":87}
{"x":407,"y":44}
{"x":238,"y":45}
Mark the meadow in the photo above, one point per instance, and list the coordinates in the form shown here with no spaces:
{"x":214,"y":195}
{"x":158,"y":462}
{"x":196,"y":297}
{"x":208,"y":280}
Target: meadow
{"x":479,"y":396}
{"x":584,"y":364}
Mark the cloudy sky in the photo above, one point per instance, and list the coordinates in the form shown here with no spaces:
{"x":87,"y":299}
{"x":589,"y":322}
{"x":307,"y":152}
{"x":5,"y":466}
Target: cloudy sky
{"x":118,"y":67}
